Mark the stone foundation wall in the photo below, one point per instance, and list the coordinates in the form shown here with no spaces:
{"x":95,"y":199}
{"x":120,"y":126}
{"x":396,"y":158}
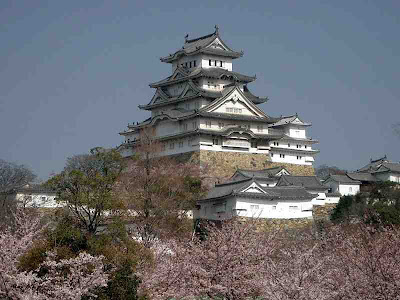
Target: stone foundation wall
{"x":322,"y":212}
{"x":222,"y":165}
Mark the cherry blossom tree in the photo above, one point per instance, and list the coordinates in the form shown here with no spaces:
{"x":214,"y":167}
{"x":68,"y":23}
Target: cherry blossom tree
{"x":64,"y":279}
{"x":362,"y":262}
{"x":225,"y":265}
{"x":159,"y":191}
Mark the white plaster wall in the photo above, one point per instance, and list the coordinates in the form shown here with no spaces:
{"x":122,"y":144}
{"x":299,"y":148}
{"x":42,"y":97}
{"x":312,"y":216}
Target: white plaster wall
{"x":213,"y":84}
{"x":247,"y":207}
{"x":274,"y":209}
{"x":227,"y":62}
{"x":290,"y":158}
{"x":44,"y":200}
{"x":349,"y":189}
{"x":187,"y":59}
{"x":297,"y":131}
{"x":395,"y":178}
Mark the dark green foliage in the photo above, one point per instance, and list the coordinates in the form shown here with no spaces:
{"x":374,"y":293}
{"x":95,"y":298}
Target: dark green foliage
{"x":122,"y":285}
{"x":379,"y":206}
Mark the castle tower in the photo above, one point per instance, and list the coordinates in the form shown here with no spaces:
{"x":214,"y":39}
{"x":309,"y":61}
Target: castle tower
{"x":205,"y":112}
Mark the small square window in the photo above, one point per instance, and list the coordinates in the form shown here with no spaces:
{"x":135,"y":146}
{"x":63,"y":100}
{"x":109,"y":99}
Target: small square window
{"x":272,"y":155}
{"x":194,"y":63}
{"x":215,"y":141}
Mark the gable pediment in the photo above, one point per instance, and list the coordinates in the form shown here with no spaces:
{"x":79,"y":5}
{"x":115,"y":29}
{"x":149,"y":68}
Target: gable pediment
{"x":253,"y":188}
{"x":235,"y":103}
{"x":297,"y":121}
{"x":217,"y":44}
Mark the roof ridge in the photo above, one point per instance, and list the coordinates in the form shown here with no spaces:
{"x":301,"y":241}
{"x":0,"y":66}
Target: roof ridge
{"x":187,"y":41}
{"x":233,"y":182}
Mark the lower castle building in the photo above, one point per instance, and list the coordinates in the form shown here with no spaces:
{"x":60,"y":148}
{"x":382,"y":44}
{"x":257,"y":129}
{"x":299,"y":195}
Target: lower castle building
{"x":205,"y":112}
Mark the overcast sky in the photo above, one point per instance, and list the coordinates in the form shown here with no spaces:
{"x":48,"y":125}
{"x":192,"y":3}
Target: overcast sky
{"x":72,"y":73}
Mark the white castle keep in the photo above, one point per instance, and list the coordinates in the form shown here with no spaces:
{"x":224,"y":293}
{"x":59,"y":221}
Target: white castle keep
{"x":206,"y":106}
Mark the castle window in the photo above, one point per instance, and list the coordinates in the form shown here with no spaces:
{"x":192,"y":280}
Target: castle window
{"x":305,"y":146}
{"x":272,"y":155}
{"x":185,"y":126}
{"x":215,"y":63}
{"x":172,"y":146}
{"x":209,"y":62}
{"x":229,"y":109}
{"x":282,"y":155}
{"x":254,"y":207}
{"x":220,"y":63}
{"x":273,"y":207}
{"x":185,"y":64}
{"x":190,"y":64}
{"x":208,"y":124}
{"x":299,"y":157}
{"x":194,"y":63}
{"x":253,"y":144}
{"x":293,"y":208}
{"x":215,"y":141}
{"x":288,"y":145}
{"x":180,"y":144}
{"x":260,"y":128}
{"x":221,"y":125}
{"x":194,"y":125}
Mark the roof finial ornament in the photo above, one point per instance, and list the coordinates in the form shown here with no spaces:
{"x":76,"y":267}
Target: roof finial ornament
{"x":216,"y":28}
{"x":186,"y":37}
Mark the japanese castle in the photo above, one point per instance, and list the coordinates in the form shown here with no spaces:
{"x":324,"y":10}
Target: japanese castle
{"x":205,"y":106}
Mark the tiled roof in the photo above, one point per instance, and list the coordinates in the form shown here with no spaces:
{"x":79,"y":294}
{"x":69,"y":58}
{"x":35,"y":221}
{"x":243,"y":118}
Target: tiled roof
{"x":344,"y":179}
{"x":255,"y":99}
{"x":216,"y":73}
{"x":362,"y":176}
{"x":261,"y":174}
{"x":268,"y":193}
{"x":308,"y":182}
{"x":235,"y":117}
{"x":335,"y":194}
{"x":381,"y":165}
{"x":200,"y":45}
{"x":288,"y":120}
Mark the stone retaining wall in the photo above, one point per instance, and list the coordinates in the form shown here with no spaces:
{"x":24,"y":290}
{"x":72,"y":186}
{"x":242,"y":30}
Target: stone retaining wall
{"x":222,"y":165}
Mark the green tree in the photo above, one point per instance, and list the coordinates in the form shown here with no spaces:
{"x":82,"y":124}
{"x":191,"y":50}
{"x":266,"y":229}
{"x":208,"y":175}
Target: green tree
{"x":86,"y":186}
{"x":381,"y":205}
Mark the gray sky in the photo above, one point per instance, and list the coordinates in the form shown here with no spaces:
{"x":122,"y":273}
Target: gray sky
{"x":72,"y":73}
